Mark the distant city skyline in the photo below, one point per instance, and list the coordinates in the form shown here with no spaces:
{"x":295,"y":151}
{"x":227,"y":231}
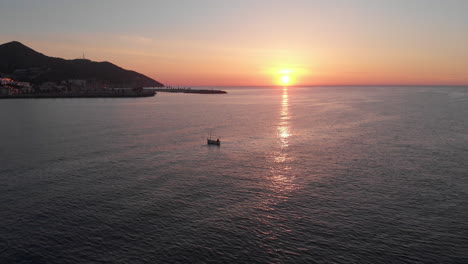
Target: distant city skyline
{"x":254,"y":43}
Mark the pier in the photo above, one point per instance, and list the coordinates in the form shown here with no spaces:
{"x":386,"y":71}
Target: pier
{"x":188,"y":90}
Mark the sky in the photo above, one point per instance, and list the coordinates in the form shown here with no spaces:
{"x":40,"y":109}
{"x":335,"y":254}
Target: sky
{"x":254,"y":42}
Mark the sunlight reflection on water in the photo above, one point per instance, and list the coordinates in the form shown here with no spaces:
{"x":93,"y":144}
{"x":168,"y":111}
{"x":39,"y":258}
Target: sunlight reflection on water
{"x":282,"y":179}
{"x":283,"y":127}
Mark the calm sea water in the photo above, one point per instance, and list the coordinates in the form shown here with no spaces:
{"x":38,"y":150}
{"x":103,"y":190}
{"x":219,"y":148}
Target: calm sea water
{"x":303,"y":175}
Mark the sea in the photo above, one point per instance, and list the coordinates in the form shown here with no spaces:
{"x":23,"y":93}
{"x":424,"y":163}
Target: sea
{"x":374,"y":174}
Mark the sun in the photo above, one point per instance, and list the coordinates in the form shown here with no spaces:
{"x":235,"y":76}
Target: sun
{"x":283,"y":76}
{"x":285,"y":79}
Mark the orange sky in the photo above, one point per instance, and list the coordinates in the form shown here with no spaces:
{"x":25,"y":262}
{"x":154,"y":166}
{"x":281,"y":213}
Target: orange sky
{"x":249,"y":42}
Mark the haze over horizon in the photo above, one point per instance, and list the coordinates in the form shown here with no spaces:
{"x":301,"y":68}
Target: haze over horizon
{"x":254,"y":42}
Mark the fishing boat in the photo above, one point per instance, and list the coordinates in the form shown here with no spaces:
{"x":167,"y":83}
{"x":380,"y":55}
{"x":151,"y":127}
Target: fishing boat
{"x":213,"y":142}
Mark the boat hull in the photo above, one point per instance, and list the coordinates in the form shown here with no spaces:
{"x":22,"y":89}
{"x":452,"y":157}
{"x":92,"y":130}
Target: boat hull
{"x":213,"y":142}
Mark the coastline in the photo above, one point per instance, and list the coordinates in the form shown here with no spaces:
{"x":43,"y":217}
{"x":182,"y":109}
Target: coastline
{"x":79,"y":95}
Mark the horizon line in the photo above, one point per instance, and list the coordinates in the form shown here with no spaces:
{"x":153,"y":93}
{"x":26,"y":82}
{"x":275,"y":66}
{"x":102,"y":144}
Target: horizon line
{"x":335,"y":85}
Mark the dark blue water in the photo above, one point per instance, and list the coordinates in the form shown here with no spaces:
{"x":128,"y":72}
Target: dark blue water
{"x":303,"y":175}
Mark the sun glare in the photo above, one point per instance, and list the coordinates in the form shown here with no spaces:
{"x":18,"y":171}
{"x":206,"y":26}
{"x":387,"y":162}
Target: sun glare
{"x":285,"y":76}
{"x":285,"y":79}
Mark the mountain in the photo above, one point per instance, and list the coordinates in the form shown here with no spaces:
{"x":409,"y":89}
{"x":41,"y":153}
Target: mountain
{"x":25,"y":64}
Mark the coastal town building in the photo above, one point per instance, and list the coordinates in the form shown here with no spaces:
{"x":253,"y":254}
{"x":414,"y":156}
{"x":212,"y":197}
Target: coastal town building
{"x":10,"y":87}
